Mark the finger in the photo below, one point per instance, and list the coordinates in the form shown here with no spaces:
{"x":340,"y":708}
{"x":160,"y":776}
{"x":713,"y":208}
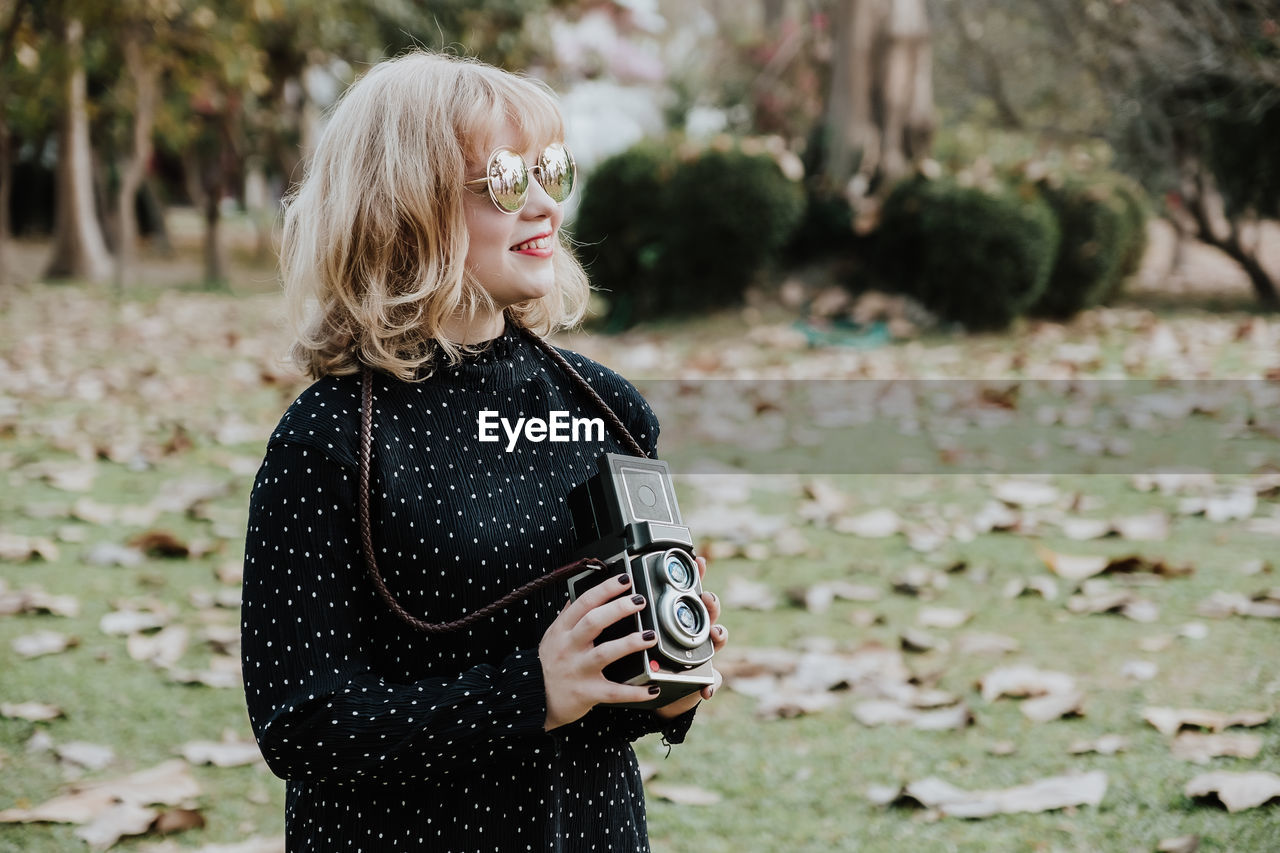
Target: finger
{"x":710,"y":690}
{"x":712,"y":601}
{"x":590,"y":625}
{"x":612,"y":693}
{"x":719,"y":636}
{"x":613,"y":650}
{"x":702,"y":567}
{"x":599,"y":594}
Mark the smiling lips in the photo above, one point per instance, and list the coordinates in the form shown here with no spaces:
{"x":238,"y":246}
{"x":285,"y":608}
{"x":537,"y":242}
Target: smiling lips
{"x":539,"y":246}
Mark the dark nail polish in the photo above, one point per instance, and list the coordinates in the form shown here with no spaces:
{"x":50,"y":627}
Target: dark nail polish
{"x":654,"y":690}
{"x":649,"y":636}
{"x":637,"y":599}
{"x":624,"y":579}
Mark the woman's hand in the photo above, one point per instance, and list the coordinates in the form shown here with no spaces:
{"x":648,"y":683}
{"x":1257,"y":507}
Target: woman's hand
{"x":572,"y":664}
{"x":719,"y":636}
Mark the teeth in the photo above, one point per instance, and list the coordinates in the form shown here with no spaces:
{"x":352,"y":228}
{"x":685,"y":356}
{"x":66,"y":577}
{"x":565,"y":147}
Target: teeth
{"x":540,"y":243}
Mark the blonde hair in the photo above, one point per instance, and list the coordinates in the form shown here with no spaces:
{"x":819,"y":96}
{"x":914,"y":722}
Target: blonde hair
{"x":375,"y":238}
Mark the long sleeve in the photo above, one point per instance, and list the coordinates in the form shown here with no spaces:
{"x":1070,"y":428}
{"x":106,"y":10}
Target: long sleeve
{"x":318,"y":709}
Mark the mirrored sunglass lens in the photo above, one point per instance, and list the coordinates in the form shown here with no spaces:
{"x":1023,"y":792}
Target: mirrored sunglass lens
{"x":556,"y":172}
{"x":508,"y":180}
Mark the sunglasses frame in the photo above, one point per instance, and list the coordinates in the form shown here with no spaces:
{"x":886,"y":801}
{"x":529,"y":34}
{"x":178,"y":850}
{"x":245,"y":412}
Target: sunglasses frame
{"x":534,"y":172}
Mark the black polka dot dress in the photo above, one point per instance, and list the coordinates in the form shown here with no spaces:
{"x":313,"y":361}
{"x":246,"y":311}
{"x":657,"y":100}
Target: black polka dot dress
{"x":390,"y":739}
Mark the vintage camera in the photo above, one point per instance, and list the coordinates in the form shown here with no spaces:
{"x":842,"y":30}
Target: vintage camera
{"x":627,"y":517}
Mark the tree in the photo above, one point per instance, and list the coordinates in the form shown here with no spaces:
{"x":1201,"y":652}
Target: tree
{"x":79,"y":248}
{"x":1195,"y":91}
{"x":880,"y":108}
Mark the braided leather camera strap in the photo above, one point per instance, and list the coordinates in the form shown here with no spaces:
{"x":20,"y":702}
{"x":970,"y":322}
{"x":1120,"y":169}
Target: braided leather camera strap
{"x":366,"y":528}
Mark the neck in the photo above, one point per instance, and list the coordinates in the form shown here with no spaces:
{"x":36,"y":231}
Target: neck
{"x":480,"y":328}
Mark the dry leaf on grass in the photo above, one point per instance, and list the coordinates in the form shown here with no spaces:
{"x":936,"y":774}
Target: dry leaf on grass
{"x":1236,"y":791}
{"x":42,"y":643}
{"x":1220,"y":605}
{"x":1051,"y":706}
{"x":251,"y":845}
{"x":125,"y":622}
{"x":1168,"y":721}
{"x":1025,"y":493}
{"x":115,"y":822}
{"x":876,"y":524}
{"x":36,"y":600}
{"x":160,"y":543}
{"x":1046,"y":586}
{"x":18,"y":549}
{"x":1181,"y":844}
{"x":1023,"y":680}
{"x":942,"y":617}
{"x":33,"y":711}
{"x":1202,"y":748}
{"x":743,"y":594}
{"x":880,"y":712}
{"x":1055,"y":792}
{"x":983,"y":643}
{"x":226,"y":753}
{"x":91,"y":756}
{"x":169,"y":783}
{"x":164,"y":648}
{"x":684,"y":795}
{"x":1105,"y":745}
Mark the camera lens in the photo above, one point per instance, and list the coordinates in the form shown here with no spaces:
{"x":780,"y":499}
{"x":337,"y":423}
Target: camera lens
{"x":684,"y":619}
{"x":680,"y":573}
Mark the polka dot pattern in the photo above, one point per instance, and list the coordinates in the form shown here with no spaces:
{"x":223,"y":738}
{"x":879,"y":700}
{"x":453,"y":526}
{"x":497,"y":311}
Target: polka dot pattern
{"x":390,"y":739}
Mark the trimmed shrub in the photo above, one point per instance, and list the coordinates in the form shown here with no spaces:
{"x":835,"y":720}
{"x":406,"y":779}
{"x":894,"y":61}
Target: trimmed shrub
{"x":970,"y":256}
{"x":621,"y":226}
{"x":664,"y":237}
{"x":730,"y":215}
{"x":1134,"y":244}
{"x":1094,"y":237}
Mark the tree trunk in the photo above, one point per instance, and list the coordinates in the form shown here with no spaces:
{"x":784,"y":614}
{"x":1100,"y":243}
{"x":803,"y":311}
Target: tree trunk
{"x":880,"y":108}
{"x":1196,"y":191}
{"x":215,"y":256}
{"x":79,"y":249}
{"x":6,"y":183}
{"x":146,"y":81}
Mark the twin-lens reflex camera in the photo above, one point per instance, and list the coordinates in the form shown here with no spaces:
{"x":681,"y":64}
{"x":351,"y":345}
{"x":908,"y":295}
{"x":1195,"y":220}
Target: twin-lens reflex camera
{"x":626,"y":516}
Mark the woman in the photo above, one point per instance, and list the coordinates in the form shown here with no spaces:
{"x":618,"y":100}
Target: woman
{"x":423,"y":245}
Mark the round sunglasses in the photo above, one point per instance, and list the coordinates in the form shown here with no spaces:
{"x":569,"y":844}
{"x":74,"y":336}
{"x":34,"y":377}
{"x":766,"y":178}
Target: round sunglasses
{"x":507,"y":176}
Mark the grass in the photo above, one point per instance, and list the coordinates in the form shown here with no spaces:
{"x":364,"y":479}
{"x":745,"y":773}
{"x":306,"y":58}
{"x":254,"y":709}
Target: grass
{"x":190,"y":363}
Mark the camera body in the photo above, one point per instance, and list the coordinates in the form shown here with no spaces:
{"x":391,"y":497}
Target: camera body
{"x":627,"y":517}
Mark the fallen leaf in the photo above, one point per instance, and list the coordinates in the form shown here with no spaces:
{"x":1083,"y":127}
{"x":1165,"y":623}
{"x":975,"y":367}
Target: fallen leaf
{"x":980,"y":643}
{"x":115,"y":822}
{"x":1168,"y":721}
{"x":18,"y":549}
{"x":876,"y":524}
{"x":1051,"y":706}
{"x":1073,"y":567}
{"x":124,"y":622}
{"x":1104,"y":745}
{"x":743,"y":594}
{"x":942,"y":617}
{"x":1220,"y":605}
{"x":164,"y":648}
{"x":1201,"y":748}
{"x":1023,"y":680}
{"x":169,"y":783}
{"x":222,"y":753}
{"x":111,"y":554}
{"x":1149,"y":527}
{"x":1139,"y":670}
{"x":1056,"y":792}
{"x":42,"y":643}
{"x":1025,"y":493}
{"x":177,"y":820}
{"x":160,"y":543}
{"x":34,"y":711}
{"x":91,"y":756}
{"x":1236,"y":791}
{"x":1181,"y":844}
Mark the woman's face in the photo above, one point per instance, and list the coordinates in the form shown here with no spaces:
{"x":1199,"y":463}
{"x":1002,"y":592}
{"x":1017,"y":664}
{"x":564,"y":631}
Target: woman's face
{"x":510,"y":254}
